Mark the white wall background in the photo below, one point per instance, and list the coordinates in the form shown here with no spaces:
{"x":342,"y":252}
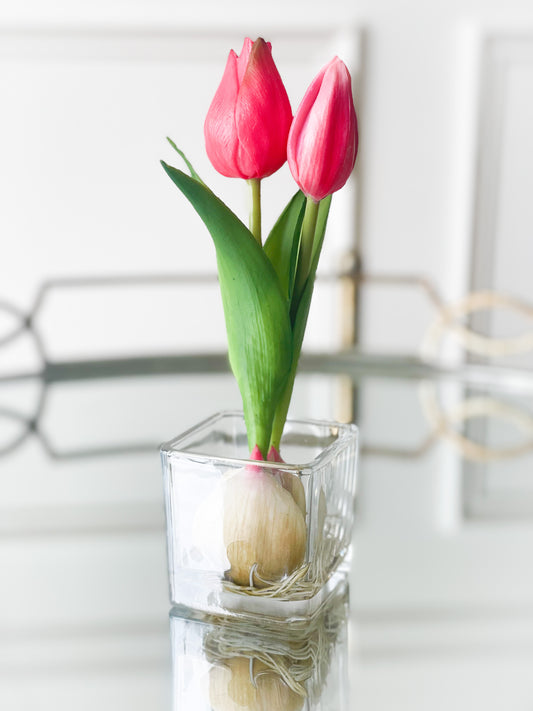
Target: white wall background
{"x":89,"y":92}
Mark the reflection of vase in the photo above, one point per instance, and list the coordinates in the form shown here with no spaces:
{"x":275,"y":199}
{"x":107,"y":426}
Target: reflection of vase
{"x":247,"y":665}
{"x":260,"y":538}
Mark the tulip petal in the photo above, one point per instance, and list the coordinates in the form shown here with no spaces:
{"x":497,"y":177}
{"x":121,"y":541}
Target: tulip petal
{"x":243,"y":58}
{"x":219,"y":128}
{"x":295,"y":148}
{"x":335,"y":100}
{"x":263,"y":115}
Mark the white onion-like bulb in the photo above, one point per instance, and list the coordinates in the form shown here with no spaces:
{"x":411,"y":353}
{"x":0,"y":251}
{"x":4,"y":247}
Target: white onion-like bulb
{"x":291,"y":482}
{"x":264,"y":528}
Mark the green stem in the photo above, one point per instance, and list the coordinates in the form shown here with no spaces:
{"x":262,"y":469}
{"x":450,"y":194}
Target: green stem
{"x":255,"y":211}
{"x":306,"y":247}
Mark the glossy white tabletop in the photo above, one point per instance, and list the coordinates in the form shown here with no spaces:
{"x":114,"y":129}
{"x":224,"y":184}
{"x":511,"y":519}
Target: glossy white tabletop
{"x":441,"y":581}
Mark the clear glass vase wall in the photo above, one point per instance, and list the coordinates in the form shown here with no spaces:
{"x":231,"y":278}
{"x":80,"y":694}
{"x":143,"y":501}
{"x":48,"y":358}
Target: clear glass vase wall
{"x":247,"y":538}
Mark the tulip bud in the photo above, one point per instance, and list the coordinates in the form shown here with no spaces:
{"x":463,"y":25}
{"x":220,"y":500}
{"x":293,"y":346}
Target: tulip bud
{"x":323,"y":138}
{"x":248,"y":122}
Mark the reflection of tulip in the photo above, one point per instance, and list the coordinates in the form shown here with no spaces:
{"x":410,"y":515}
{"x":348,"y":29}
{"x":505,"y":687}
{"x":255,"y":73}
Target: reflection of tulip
{"x":323,"y":138}
{"x":248,"y":122}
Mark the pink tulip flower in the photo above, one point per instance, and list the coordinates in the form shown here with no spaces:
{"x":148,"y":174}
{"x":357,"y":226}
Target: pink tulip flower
{"x":248,"y":122}
{"x":323,"y":138}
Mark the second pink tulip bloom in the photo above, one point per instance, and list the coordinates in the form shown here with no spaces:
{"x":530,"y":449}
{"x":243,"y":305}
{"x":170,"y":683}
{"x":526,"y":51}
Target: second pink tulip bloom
{"x":323,"y":139}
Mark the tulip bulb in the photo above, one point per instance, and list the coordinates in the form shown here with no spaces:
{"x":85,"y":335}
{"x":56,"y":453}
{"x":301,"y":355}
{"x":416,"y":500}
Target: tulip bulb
{"x":264,"y":528}
{"x":243,"y":686}
{"x":288,"y":481}
{"x":291,"y":483}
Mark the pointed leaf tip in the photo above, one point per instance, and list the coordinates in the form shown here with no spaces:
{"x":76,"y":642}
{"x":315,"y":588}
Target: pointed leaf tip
{"x":187,"y":162}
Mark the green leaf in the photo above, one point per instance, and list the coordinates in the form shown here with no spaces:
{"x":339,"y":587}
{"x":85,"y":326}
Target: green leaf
{"x":187,"y":162}
{"x":255,"y":309}
{"x":300,"y":322}
{"x":283,"y":243}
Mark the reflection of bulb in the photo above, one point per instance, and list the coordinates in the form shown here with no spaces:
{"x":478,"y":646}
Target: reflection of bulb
{"x":244,"y":684}
{"x":263,"y":527}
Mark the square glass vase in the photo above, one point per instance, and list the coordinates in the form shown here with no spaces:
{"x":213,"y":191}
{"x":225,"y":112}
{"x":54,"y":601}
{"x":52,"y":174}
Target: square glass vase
{"x":248,"y":538}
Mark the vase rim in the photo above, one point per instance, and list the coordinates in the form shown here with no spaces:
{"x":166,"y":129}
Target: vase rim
{"x":348,"y":432}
